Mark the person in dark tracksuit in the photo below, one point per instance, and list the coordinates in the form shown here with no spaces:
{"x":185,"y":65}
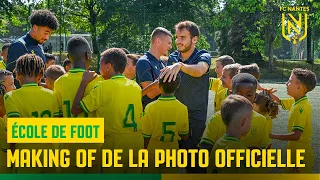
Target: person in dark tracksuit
{"x":193,"y":66}
{"x":43,"y":23}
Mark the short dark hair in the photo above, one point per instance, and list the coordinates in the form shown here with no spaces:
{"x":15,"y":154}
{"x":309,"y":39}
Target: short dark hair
{"x":116,"y":57}
{"x":77,"y":46}
{"x":4,"y":73}
{"x":66,"y":62}
{"x":170,"y":87}
{"x":44,"y":18}
{"x":225,"y":60}
{"x":125,"y":50}
{"x":243,"y":78}
{"x":49,"y":56}
{"x":134,"y":57}
{"x":189,"y":26}
{"x":54,"y":72}
{"x":233,"y":107}
{"x":306,"y":77}
{"x":252,"y":69}
{"x":160,"y":31}
{"x":6,"y":45}
{"x":30,"y":65}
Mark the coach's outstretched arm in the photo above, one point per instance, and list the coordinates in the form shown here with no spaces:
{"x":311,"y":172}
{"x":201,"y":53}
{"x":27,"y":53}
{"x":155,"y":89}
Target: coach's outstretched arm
{"x":170,"y":72}
{"x":87,"y":77}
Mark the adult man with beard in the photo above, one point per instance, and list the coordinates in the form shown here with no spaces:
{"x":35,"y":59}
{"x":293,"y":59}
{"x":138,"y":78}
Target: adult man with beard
{"x":149,"y":65}
{"x":43,"y":23}
{"x":193,"y":66}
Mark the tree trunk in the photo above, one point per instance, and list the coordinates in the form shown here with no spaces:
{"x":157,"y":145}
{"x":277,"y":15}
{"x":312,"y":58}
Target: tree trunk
{"x":270,"y":52}
{"x":309,"y":46}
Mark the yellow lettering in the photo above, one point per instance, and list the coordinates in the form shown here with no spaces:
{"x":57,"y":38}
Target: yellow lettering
{"x":159,"y":157}
{"x":220,"y":158}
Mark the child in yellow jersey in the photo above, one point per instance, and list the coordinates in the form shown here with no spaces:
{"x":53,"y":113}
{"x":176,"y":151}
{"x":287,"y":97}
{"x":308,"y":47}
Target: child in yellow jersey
{"x":163,"y":128}
{"x":6,"y":79}
{"x":236,"y":113}
{"x":215,"y":84}
{"x":245,"y":85}
{"x":118,"y":100}
{"x":266,"y":106}
{"x":65,"y":88}
{"x":31,"y":100}
{"x":4,"y":146}
{"x":299,"y":134}
{"x":227,"y":73}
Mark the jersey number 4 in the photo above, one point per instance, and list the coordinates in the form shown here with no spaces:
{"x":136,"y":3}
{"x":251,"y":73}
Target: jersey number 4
{"x":130,"y":115}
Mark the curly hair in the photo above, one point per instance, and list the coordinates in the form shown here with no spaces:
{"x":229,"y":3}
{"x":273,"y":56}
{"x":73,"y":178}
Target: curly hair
{"x":267,"y":104}
{"x":44,"y":18}
{"x":30,"y":65}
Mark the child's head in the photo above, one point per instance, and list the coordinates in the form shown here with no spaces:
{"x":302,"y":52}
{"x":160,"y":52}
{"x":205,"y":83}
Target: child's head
{"x":264,"y":104}
{"x":50,"y":60}
{"x":227,"y":73}
{"x":301,"y":82}
{"x":125,"y":50}
{"x":130,"y":70}
{"x":245,"y":84}
{"x":67,"y":65}
{"x":221,"y":62}
{"x":169,"y":87}
{"x":31,"y":67}
{"x":7,"y":80}
{"x":79,"y":52}
{"x":113,"y":61}
{"x":236,"y":113}
{"x":252,"y":69}
{"x":4,"y":51}
{"x":2,"y":93}
{"x":52,"y":74}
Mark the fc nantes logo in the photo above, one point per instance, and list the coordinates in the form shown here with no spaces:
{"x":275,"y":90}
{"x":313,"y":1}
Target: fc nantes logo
{"x":294,"y":27}
{"x":254,"y":130}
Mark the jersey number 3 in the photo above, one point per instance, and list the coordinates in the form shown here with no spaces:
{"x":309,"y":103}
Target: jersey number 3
{"x":130,"y":113}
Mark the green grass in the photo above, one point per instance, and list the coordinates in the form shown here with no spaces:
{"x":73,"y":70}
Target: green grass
{"x":282,"y":69}
{"x":281,"y":122}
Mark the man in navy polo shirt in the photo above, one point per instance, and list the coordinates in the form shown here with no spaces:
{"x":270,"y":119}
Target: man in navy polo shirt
{"x":149,"y":65}
{"x":193,"y":66}
{"x":43,"y":23}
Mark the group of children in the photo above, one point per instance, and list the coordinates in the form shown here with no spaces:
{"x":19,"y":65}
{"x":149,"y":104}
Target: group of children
{"x":243,"y":109}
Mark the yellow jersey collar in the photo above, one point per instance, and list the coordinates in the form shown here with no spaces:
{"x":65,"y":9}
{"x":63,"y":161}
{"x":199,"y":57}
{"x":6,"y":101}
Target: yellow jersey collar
{"x":117,"y":76}
{"x":231,"y":138}
{"x":301,"y":99}
{"x":167,"y":98}
{"x":76,"y":70}
{"x":29,"y":84}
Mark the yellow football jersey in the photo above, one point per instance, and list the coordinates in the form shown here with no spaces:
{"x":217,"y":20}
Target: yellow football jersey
{"x":300,"y":118}
{"x":287,"y":103}
{"x":3,"y":65}
{"x":4,"y":147}
{"x":35,"y":101}
{"x":164,"y":127}
{"x":31,"y":100}
{"x":66,"y":87}
{"x":215,"y":129}
{"x":118,"y":100}
{"x":221,"y":96}
{"x":257,"y":136}
{"x":227,"y":142}
{"x":215,"y":84}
